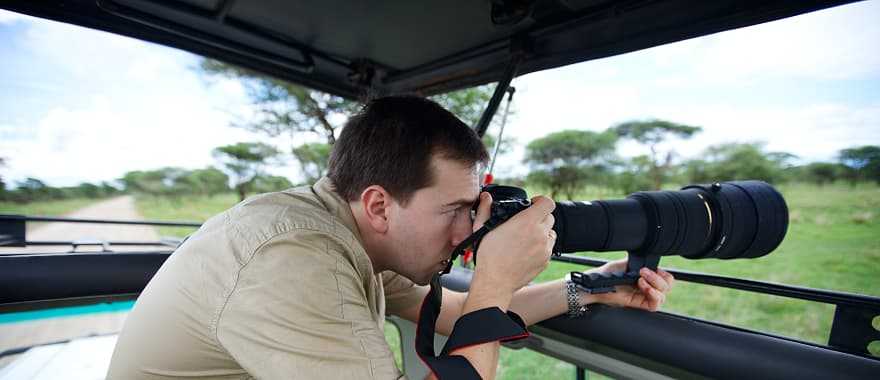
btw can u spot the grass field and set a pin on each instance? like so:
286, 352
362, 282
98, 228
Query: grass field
47, 208
833, 242
195, 209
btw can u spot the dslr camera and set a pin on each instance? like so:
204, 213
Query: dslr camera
722, 220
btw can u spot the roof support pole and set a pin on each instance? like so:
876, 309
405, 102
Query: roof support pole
495, 101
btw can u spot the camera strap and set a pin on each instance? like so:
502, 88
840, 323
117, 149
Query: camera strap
477, 327
474, 240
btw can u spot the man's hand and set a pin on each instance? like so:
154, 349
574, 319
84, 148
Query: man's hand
519, 249
648, 294
510, 256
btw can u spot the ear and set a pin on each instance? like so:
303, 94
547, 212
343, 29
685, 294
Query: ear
377, 203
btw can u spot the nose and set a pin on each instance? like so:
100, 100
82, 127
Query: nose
461, 229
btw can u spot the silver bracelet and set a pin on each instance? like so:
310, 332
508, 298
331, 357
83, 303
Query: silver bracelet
575, 309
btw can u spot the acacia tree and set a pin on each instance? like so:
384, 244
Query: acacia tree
153, 182
565, 161
209, 181
652, 133
822, 173
313, 159
245, 161
288, 109
284, 108
865, 160
735, 161
635, 174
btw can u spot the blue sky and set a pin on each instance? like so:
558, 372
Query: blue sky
80, 105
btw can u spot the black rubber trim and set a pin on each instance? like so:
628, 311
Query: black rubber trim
702, 347
34, 278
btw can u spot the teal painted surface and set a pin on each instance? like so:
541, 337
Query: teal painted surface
22, 316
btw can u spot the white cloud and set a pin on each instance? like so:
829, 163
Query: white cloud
836, 43
7, 17
813, 132
134, 106
104, 140
831, 45
137, 105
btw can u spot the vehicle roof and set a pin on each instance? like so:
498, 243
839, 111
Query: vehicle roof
353, 48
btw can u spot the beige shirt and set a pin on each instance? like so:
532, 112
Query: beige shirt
277, 287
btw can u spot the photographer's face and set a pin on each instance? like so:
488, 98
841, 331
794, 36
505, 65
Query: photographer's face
435, 220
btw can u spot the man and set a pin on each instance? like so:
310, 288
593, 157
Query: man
296, 284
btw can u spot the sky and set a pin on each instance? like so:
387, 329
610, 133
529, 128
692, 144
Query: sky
81, 105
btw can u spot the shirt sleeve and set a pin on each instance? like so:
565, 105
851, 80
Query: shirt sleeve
298, 309
401, 293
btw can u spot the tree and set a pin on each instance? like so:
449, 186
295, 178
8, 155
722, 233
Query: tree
287, 109
822, 173
245, 161
734, 161
171, 181
32, 189
2, 184
88, 190
154, 182
468, 104
565, 161
865, 160
635, 176
313, 159
652, 133
284, 108
507, 143
208, 181
109, 189
269, 183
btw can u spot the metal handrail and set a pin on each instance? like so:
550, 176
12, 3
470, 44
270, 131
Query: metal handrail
789, 291
97, 221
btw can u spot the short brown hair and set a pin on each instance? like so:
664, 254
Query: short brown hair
390, 143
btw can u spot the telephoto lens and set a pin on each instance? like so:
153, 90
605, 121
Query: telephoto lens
727, 220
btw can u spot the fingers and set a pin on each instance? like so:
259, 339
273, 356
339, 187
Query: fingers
547, 222
653, 298
484, 210
539, 214
657, 281
551, 241
540, 208
666, 276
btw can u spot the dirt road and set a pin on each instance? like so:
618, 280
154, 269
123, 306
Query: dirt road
120, 208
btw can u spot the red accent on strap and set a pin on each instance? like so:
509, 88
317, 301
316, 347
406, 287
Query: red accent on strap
487, 179
467, 256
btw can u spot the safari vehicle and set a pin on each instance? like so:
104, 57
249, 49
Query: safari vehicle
426, 48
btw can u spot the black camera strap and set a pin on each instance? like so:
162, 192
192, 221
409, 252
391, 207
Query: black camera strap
477, 327
474, 240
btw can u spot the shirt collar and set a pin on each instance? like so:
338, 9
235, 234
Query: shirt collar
339, 207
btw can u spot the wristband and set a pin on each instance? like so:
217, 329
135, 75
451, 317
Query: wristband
477, 327
575, 309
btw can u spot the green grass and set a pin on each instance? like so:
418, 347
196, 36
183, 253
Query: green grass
46, 208
833, 242
187, 208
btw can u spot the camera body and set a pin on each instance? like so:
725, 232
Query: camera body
506, 208
507, 201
